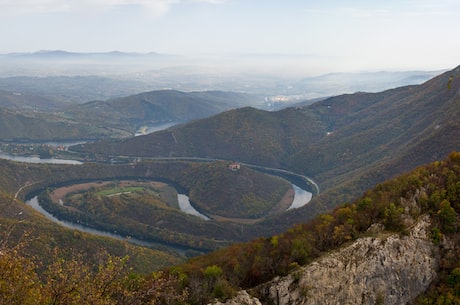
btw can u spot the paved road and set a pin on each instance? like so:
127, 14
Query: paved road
272, 169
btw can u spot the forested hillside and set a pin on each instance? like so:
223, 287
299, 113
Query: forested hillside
346, 143
234, 201
39, 126
156, 107
28, 118
393, 206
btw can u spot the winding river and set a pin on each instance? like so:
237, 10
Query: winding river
71, 225
186, 207
301, 198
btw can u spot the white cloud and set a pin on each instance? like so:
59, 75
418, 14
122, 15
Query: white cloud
366, 13
54, 6
209, 1
19, 7
156, 7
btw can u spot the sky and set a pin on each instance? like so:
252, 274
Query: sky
353, 35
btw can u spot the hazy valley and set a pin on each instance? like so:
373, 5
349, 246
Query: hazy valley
372, 155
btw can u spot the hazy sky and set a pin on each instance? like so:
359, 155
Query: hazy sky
354, 34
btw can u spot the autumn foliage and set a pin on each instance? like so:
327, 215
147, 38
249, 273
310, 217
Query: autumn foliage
393, 206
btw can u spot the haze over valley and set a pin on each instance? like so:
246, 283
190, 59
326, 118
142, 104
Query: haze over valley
229, 152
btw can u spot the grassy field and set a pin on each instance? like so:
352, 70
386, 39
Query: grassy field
119, 190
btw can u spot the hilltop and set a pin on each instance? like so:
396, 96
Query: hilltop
155, 107
24, 117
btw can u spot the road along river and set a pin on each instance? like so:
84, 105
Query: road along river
301, 197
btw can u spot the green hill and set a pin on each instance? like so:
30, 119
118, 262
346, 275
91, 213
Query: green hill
156, 107
246, 134
24, 101
116, 118
36, 126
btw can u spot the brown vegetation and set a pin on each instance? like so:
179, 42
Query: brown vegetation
432, 190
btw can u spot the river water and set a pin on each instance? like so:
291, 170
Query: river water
301, 198
149, 129
186, 207
184, 203
37, 159
36, 205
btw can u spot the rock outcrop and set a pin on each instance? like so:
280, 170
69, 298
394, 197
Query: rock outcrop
388, 269
243, 298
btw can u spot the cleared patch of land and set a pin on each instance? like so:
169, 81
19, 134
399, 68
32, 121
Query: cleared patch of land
119, 191
60, 193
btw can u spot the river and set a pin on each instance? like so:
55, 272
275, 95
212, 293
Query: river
28, 159
186, 207
149, 129
301, 198
36, 205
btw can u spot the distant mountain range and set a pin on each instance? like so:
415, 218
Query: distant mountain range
55, 54
39, 73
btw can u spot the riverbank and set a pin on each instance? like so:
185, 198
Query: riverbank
36, 159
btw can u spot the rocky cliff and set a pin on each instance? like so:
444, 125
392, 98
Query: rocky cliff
385, 269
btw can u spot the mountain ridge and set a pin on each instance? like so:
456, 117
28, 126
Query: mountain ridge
334, 141
119, 117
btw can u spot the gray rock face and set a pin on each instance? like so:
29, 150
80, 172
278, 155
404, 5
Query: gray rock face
389, 269
243, 298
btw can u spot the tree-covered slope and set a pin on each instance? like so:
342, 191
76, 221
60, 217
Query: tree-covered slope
246, 134
37, 126
37, 238
234, 200
396, 205
346, 143
386, 217
115, 118
23, 101
367, 129
158, 107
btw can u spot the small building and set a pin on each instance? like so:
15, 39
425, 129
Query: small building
234, 166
